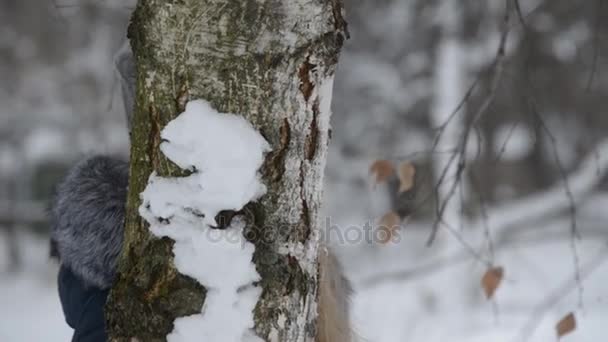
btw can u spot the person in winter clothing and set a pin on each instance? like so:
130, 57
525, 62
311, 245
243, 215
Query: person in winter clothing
87, 217
82, 307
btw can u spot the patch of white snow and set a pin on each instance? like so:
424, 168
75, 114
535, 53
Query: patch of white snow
224, 152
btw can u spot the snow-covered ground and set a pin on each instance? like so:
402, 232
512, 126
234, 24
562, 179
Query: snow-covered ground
439, 304
423, 308
29, 303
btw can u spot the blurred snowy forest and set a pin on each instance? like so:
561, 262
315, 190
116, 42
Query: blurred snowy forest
498, 105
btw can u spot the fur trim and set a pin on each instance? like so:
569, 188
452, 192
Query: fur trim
87, 218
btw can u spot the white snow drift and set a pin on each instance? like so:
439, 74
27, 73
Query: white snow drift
224, 152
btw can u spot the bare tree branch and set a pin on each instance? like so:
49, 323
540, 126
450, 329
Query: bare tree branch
551, 201
596, 44
437, 264
460, 155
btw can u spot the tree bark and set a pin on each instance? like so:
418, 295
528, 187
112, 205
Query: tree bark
273, 62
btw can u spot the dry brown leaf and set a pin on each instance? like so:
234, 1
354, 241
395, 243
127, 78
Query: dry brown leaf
389, 223
566, 325
382, 170
390, 219
407, 175
384, 234
491, 280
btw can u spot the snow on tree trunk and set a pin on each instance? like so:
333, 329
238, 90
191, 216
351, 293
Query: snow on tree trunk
272, 61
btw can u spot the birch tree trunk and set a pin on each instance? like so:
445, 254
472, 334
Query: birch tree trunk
272, 61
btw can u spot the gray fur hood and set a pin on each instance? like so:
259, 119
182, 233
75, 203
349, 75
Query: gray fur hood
87, 217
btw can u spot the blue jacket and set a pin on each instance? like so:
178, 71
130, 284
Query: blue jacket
83, 307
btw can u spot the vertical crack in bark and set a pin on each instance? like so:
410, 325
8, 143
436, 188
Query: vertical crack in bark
305, 222
312, 140
306, 85
274, 165
340, 24
306, 88
305, 232
182, 99
154, 136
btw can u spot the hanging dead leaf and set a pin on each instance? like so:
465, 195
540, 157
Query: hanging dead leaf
566, 325
407, 175
491, 280
384, 235
388, 226
382, 170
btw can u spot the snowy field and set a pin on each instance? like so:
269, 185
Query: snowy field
440, 307
30, 310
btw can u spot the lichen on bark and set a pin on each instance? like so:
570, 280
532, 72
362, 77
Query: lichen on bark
263, 59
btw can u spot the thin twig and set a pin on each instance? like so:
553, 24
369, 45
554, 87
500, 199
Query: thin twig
596, 45
497, 68
503, 146
569, 195
440, 263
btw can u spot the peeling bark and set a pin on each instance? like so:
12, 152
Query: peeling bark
273, 62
